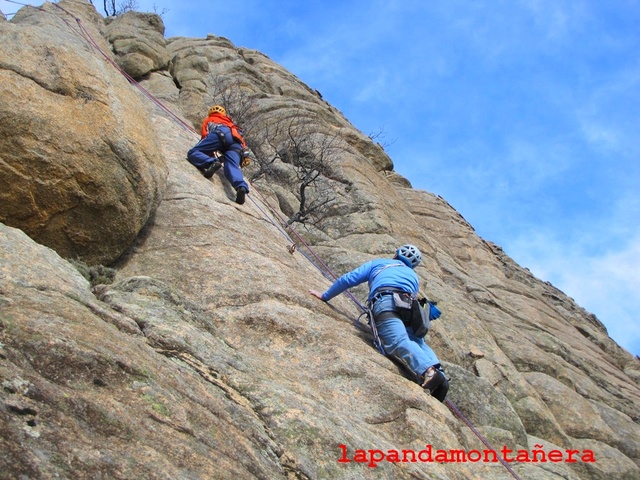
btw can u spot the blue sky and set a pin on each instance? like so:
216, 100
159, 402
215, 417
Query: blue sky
523, 114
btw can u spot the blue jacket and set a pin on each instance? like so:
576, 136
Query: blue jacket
402, 277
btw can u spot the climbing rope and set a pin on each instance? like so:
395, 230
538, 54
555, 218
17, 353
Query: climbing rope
313, 258
310, 255
456, 411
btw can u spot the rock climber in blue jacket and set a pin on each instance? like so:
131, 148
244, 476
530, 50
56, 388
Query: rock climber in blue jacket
384, 277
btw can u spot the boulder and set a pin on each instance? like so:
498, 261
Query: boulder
138, 42
80, 167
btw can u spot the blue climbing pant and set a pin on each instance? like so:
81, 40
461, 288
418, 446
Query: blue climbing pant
399, 341
201, 155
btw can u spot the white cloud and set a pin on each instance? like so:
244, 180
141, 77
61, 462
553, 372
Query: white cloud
609, 110
554, 18
606, 284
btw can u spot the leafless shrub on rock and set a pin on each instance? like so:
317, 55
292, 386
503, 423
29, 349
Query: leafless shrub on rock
291, 152
112, 9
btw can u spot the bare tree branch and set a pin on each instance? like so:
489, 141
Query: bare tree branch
111, 9
310, 155
380, 134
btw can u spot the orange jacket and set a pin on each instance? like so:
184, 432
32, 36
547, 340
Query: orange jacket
223, 120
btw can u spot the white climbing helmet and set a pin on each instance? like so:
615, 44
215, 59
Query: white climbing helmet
410, 255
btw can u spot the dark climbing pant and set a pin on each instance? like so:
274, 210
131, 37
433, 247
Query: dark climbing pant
201, 155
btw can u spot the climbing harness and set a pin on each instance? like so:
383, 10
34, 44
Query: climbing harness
309, 254
215, 128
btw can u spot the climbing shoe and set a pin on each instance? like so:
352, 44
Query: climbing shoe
240, 194
440, 392
432, 379
210, 169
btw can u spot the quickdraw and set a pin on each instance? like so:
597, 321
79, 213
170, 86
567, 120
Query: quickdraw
372, 326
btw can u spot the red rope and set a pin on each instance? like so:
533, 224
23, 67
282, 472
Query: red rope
325, 268
455, 410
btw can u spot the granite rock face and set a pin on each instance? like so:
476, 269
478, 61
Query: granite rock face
81, 169
207, 357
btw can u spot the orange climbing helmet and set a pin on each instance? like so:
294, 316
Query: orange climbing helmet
217, 109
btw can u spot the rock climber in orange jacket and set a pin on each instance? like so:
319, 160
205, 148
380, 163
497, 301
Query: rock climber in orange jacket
220, 134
